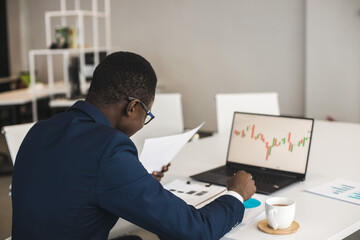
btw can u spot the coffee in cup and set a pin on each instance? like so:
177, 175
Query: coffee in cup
280, 212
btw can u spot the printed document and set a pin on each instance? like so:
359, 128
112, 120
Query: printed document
339, 189
158, 152
199, 194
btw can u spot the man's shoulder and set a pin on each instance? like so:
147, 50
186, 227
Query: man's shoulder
73, 124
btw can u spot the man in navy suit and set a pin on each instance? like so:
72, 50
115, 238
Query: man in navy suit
78, 172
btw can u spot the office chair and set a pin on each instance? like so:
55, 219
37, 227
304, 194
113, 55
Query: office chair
227, 104
14, 135
167, 109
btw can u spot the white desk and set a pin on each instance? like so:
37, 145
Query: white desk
24, 96
63, 102
335, 152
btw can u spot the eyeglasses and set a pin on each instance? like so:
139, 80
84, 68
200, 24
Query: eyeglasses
149, 115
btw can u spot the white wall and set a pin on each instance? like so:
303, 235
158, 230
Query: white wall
203, 47
333, 59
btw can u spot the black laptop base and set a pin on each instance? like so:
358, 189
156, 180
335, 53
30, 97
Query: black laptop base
220, 175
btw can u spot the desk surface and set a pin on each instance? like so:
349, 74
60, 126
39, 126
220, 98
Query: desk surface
23, 96
63, 102
334, 153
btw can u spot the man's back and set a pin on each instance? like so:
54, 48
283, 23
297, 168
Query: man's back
55, 179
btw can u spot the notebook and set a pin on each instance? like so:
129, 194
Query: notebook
274, 149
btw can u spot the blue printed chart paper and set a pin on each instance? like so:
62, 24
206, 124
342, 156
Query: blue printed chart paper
339, 189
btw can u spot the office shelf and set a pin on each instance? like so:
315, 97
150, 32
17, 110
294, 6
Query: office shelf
74, 13
80, 49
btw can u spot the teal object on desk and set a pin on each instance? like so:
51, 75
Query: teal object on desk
252, 203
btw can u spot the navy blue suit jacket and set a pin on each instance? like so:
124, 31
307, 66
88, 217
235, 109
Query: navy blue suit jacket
75, 175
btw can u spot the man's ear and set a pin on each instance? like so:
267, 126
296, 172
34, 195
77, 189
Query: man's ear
131, 107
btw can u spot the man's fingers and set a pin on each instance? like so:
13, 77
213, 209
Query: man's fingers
165, 168
158, 174
243, 184
243, 173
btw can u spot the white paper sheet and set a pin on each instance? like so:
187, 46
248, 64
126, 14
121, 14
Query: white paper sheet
158, 152
194, 193
199, 194
340, 189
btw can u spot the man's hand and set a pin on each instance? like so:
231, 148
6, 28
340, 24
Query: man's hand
160, 175
243, 184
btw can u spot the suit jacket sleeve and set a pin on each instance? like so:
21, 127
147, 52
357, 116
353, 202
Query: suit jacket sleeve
125, 189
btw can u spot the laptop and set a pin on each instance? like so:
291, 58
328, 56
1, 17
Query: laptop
274, 149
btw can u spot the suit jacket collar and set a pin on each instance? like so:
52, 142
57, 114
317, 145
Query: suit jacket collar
92, 111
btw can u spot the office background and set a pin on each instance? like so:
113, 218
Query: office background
307, 51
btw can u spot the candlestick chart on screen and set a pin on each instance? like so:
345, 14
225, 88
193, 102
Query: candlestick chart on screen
272, 143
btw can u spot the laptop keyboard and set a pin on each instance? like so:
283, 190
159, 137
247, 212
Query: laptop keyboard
266, 183
265, 178
225, 171
257, 176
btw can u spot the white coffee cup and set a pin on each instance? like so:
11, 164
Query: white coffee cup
280, 212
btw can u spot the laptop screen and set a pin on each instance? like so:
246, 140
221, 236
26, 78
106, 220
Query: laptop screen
273, 142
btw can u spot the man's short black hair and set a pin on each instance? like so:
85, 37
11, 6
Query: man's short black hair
121, 75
